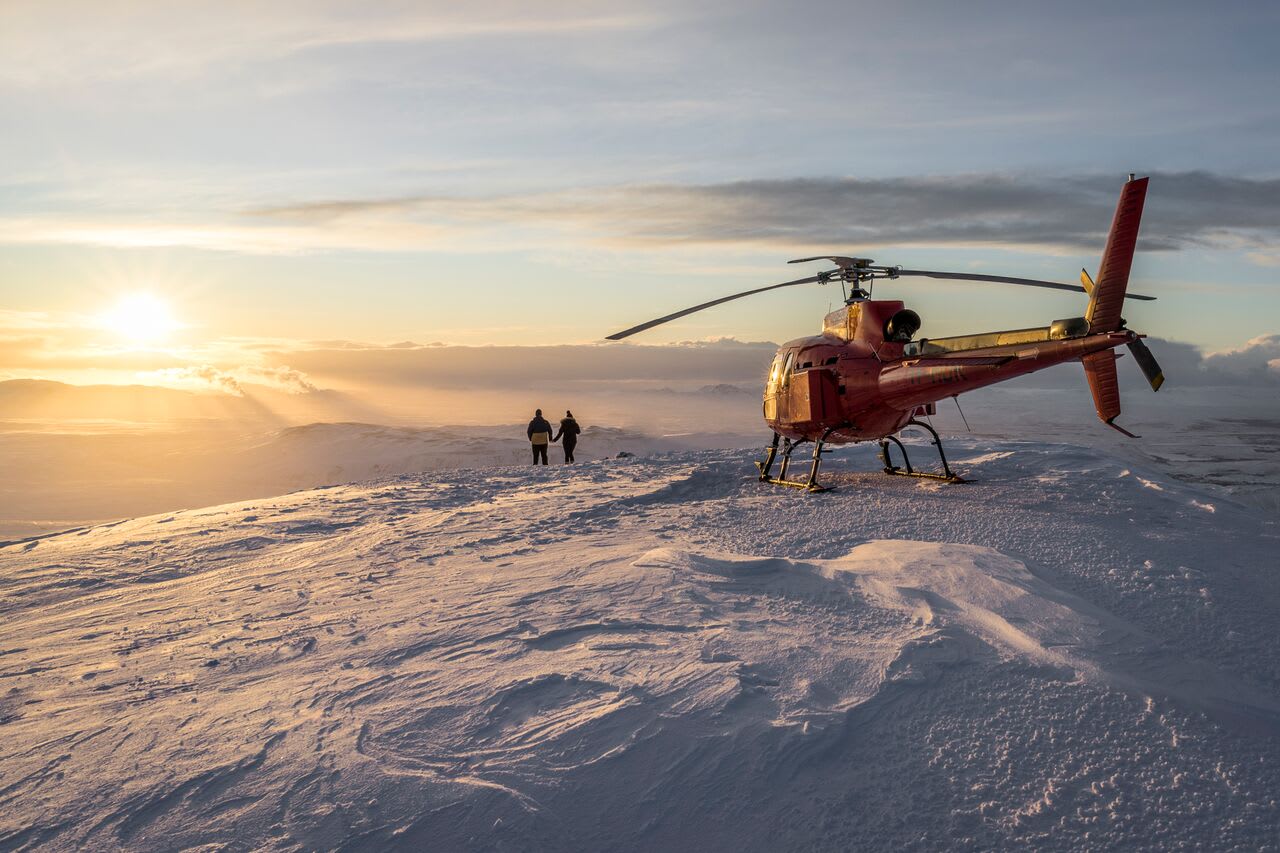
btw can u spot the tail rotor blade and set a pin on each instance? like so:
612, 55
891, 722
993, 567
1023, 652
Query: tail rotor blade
1147, 361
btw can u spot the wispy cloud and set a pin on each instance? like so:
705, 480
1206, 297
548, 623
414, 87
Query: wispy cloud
230, 235
65, 41
490, 367
206, 377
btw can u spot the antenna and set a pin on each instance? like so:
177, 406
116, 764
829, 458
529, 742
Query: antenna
956, 397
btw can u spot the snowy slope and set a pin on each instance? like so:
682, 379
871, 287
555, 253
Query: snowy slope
56, 480
654, 653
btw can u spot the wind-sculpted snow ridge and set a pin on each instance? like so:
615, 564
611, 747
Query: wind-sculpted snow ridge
651, 654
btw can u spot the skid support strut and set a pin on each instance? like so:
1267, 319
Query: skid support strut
906, 470
770, 453
811, 482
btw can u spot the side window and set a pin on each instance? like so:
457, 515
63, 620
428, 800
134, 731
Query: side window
786, 369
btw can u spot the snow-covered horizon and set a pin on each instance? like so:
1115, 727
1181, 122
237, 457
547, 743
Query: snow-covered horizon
119, 459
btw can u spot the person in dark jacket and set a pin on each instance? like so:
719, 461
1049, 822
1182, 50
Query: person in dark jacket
539, 437
569, 430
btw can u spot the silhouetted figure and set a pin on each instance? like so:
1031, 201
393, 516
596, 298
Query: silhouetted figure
569, 430
540, 437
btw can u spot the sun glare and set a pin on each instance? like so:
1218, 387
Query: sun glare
141, 319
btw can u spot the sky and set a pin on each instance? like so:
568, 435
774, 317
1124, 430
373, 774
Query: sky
196, 191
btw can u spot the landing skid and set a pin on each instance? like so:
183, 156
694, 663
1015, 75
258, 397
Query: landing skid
947, 475
810, 484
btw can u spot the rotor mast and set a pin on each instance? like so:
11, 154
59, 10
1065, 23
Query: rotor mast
852, 273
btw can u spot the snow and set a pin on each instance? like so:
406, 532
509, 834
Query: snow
655, 653
60, 479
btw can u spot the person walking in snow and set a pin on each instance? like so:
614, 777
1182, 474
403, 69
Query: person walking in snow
539, 437
569, 430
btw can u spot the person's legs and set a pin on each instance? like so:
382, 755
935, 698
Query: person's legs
568, 452
540, 450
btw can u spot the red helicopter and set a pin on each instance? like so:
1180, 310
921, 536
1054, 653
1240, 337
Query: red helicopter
867, 376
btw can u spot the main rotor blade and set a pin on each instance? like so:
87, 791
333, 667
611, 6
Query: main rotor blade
626, 333
1147, 361
841, 261
1004, 279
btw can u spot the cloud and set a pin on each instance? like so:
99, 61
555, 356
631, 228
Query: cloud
490, 367
47, 344
1184, 210
15, 350
283, 378
66, 41
389, 372
201, 378
12, 321
1256, 364
1189, 209
408, 376
1258, 359
206, 377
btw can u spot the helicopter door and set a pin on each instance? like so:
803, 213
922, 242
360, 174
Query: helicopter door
816, 397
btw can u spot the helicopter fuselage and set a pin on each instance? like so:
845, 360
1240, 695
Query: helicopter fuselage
864, 377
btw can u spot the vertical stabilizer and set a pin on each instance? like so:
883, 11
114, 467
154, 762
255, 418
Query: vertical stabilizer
1100, 369
1107, 293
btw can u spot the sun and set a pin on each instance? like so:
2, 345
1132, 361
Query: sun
141, 319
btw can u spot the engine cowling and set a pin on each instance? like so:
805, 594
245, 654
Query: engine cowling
902, 326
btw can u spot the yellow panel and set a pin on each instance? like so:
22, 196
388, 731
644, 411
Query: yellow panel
1086, 282
843, 322
983, 341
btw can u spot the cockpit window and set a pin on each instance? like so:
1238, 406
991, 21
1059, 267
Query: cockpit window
775, 371
786, 370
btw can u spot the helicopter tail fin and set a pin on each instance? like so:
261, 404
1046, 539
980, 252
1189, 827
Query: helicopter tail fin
1107, 294
1100, 370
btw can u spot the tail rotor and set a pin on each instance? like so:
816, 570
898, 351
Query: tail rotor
1147, 361
1141, 354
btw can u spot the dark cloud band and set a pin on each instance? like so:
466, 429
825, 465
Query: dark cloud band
1186, 209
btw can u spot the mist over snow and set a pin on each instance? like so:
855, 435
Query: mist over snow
347, 411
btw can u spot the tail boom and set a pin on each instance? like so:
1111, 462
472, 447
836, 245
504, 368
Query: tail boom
918, 381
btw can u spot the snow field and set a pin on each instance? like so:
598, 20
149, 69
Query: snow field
654, 653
